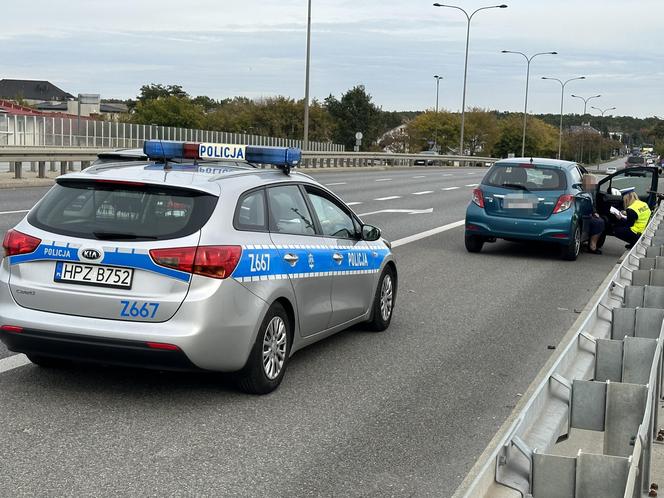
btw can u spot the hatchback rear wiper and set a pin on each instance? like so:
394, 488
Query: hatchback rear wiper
121, 236
515, 185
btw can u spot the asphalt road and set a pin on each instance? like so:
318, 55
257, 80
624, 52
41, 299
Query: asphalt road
401, 413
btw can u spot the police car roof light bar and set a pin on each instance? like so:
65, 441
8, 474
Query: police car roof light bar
283, 157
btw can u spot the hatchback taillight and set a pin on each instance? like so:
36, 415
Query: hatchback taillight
16, 242
209, 261
564, 203
478, 197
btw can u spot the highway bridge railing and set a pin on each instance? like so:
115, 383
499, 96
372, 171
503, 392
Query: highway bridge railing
64, 159
587, 424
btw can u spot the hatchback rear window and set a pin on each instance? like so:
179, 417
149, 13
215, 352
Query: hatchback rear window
635, 160
528, 177
116, 211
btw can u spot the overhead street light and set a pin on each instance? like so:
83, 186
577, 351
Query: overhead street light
585, 100
562, 98
438, 78
602, 111
525, 106
465, 66
305, 138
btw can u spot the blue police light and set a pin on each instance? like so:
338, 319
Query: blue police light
279, 156
163, 149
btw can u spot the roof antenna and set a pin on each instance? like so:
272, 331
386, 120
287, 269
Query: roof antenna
531, 160
163, 155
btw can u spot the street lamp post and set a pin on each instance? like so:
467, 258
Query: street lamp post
305, 138
602, 111
562, 98
438, 78
525, 106
465, 66
585, 105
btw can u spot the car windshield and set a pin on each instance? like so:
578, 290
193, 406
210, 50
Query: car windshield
525, 177
635, 160
117, 211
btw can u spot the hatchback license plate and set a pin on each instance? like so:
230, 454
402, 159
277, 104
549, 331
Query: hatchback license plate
102, 276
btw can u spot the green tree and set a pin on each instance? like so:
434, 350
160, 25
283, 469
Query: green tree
169, 111
481, 131
157, 91
541, 137
354, 112
441, 128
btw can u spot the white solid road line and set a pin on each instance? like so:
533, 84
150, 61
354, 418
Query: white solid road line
383, 180
14, 212
391, 197
18, 360
422, 193
450, 188
333, 184
428, 233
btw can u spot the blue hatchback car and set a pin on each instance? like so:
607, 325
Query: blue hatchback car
543, 200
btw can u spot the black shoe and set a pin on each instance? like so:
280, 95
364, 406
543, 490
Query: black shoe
594, 251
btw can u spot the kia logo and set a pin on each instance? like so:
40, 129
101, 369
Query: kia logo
91, 254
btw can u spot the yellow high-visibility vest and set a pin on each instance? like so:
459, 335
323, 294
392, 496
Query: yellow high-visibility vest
643, 212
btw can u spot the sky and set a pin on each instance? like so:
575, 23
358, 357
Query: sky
256, 48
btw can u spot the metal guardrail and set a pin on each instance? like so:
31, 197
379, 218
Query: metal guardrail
588, 427
66, 156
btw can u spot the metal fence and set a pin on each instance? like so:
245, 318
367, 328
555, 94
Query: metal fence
587, 428
45, 131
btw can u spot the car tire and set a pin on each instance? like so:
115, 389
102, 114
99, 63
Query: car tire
266, 365
474, 243
384, 301
571, 251
48, 361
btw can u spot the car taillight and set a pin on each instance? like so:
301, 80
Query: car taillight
478, 197
16, 242
11, 328
564, 203
209, 261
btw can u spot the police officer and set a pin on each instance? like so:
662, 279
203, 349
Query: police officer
633, 219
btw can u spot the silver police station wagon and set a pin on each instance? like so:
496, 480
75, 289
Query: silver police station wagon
193, 259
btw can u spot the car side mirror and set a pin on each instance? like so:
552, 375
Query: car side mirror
370, 233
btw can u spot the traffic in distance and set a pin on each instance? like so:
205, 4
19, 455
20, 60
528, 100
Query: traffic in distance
188, 257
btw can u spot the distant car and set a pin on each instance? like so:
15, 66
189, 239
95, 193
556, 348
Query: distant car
426, 162
633, 161
611, 169
542, 200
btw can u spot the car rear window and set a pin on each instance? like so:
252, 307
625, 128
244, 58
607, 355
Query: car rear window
525, 177
117, 211
635, 160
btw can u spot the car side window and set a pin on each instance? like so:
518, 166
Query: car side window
288, 211
641, 181
334, 220
576, 176
250, 213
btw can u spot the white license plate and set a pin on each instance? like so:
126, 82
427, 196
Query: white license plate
103, 276
519, 205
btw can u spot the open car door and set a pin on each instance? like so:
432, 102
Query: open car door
644, 179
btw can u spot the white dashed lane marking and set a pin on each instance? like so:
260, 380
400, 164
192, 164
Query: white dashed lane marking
420, 176
422, 193
333, 184
353, 203
384, 180
14, 212
450, 188
389, 198
473, 185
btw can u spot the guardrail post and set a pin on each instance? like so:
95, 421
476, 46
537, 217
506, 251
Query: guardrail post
18, 167
51, 166
33, 167
63, 167
41, 169
12, 166
70, 165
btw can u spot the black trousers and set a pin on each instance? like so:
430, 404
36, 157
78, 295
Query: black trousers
624, 233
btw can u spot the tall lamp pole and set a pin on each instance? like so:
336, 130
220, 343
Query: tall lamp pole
465, 66
525, 106
305, 140
562, 98
438, 78
585, 105
602, 111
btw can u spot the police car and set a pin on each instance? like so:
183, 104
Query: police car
194, 259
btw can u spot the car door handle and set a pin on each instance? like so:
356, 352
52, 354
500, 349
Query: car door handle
337, 257
291, 259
